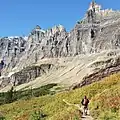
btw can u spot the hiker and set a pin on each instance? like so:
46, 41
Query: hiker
85, 103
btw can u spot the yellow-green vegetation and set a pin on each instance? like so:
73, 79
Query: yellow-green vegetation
104, 103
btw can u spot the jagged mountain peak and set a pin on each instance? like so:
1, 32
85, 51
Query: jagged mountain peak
97, 32
95, 6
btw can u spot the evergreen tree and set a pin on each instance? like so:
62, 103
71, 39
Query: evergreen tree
9, 96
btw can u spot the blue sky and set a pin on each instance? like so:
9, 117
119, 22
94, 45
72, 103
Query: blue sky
19, 17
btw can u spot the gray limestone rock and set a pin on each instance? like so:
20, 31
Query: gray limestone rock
99, 30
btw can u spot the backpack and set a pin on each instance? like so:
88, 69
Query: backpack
85, 101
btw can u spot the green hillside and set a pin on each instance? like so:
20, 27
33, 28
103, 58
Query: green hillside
104, 103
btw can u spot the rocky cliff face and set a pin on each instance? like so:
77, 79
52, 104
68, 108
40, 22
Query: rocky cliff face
99, 30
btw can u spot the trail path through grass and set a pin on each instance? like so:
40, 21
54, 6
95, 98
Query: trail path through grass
77, 105
87, 118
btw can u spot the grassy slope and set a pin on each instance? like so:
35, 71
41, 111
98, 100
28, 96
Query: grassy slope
104, 103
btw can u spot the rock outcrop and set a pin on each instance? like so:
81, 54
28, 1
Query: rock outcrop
25, 75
